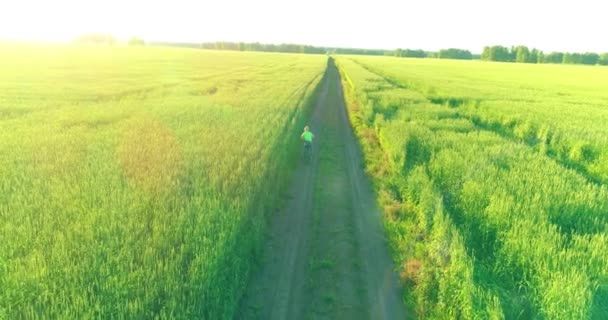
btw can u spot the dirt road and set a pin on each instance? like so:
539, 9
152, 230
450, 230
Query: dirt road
326, 256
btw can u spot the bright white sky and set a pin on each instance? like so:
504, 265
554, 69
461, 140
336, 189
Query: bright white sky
562, 25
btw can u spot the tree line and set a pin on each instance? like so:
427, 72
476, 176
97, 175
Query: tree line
451, 53
523, 54
243, 46
286, 48
520, 54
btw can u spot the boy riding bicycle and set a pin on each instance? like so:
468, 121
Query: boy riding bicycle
307, 136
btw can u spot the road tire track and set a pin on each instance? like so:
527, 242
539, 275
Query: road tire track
326, 255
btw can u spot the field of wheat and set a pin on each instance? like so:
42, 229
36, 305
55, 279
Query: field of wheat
135, 183
138, 182
494, 183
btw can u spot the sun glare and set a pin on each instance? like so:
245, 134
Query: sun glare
387, 24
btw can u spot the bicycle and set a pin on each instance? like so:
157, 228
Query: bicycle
307, 136
307, 154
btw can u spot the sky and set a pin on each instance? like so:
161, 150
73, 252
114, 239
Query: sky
574, 26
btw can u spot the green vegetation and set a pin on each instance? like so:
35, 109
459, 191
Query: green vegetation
522, 54
494, 180
135, 182
453, 53
264, 47
409, 53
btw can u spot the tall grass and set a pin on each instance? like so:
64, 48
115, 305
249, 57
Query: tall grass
136, 182
488, 218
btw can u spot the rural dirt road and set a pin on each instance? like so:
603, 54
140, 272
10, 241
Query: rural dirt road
325, 255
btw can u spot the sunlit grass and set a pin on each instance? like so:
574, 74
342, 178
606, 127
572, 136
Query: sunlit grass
136, 182
494, 183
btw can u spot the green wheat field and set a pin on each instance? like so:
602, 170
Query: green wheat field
134, 181
137, 183
494, 181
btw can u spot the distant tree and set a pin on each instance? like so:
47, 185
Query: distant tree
317, 50
231, 46
522, 54
496, 53
409, 53
533, 57
134, 41
454, 53
284, 47
590, 58
371, 52
512, 55
207, 45
554, 57
414, 53
603, 60
485, 54
540, 57
572, 58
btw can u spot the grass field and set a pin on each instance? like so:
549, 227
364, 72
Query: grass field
493, 178
137, 183
134, 182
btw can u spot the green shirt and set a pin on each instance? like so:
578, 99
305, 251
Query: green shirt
307, 136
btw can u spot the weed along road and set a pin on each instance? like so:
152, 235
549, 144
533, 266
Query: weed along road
326, 256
